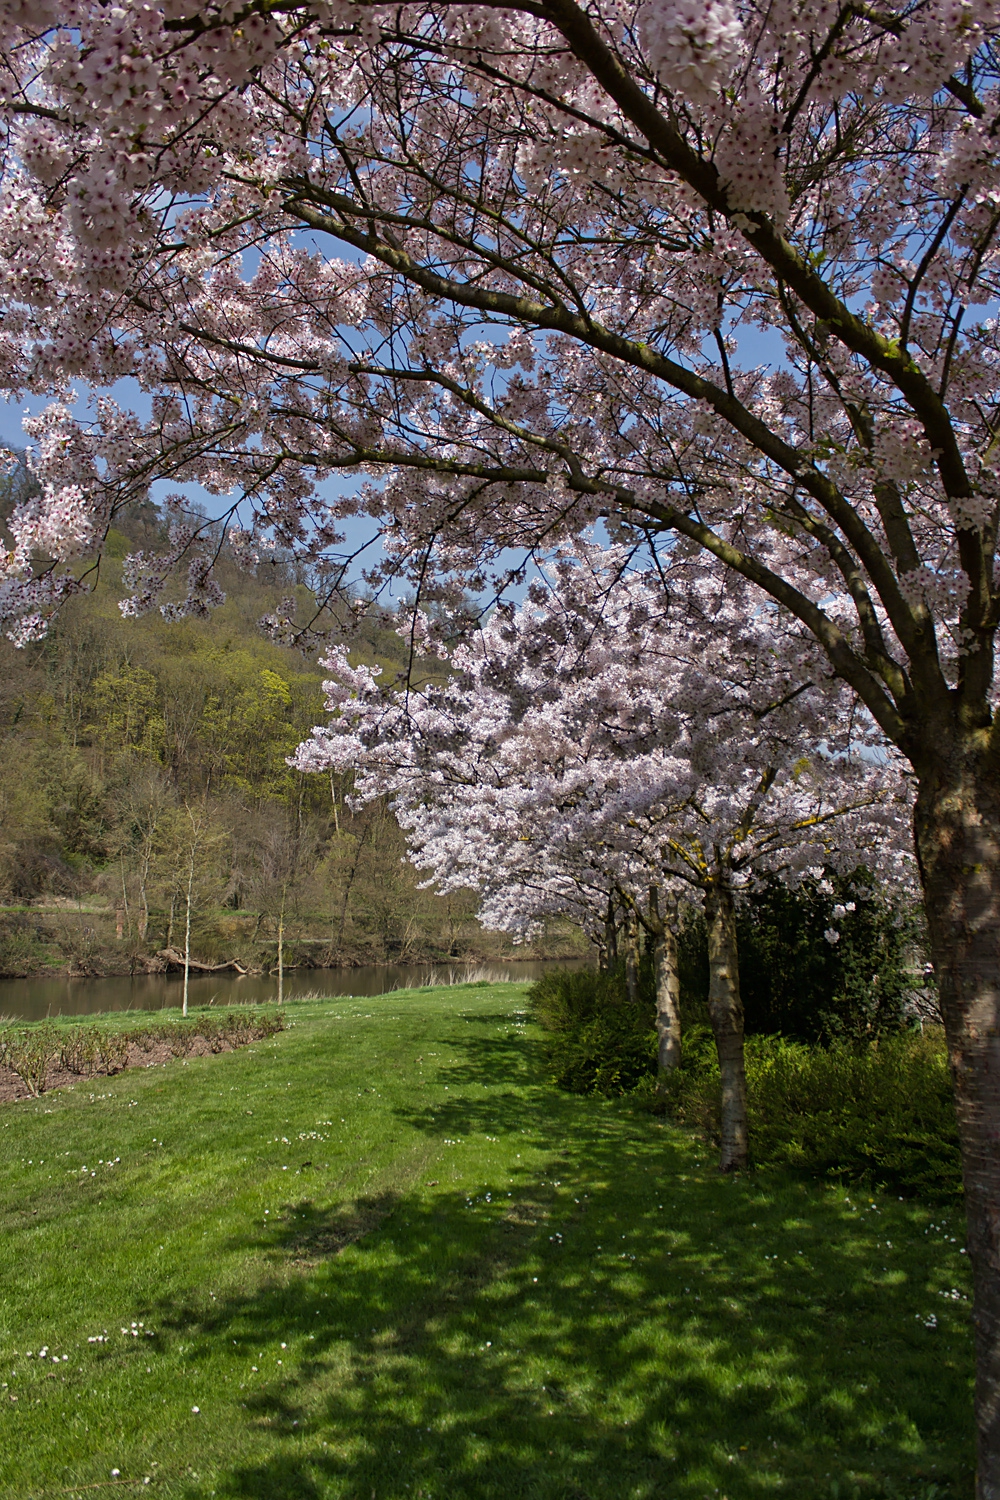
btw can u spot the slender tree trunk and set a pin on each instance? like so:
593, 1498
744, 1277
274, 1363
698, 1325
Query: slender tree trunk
632, 956
725, 1010
187, 934
128, 918
281, 950
147, 854
668, 1001
610, 935
957, 834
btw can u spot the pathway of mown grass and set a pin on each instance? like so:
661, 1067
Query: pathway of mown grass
382, 1258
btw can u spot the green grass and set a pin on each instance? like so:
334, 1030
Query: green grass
384, 1259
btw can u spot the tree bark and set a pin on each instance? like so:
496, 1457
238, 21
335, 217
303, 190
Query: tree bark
668, 1002
725, 1010
632, 956
957, 836
610, 936
281, 950
187, 939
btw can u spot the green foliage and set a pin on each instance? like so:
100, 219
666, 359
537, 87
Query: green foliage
876, 1110
249, 730
597, 1041
128, 714
793, 981
32, 1052
881, 1113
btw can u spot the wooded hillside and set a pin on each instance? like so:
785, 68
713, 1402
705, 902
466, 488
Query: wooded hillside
126, 744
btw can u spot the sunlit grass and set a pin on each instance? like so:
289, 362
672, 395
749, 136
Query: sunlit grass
382, 1257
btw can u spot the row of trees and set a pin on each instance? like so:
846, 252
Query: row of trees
604, 752
518, 265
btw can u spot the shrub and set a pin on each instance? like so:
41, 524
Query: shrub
881, 1113
31, 1051
19, 948
80, 1049
113, 1047
793, 981
180, 1038
30, 1054
876, 1109
597, 1041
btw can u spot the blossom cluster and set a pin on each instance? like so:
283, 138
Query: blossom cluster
159, 171
592, 743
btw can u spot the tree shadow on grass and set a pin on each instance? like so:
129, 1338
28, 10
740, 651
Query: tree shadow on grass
621, 1322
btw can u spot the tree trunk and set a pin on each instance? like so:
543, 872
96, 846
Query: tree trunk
668, 1001
281, 950
725, 1011
187, 936
147, 854
632, 956
610, 936
957, 835
127, 917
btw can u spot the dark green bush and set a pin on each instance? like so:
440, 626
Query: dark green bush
793, 981
881, 1113
877, 1109
597, 1041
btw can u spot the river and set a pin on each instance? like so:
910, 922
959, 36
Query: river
33, 999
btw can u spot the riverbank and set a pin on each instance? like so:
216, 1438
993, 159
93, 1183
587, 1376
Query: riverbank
94, 940
377, 1253
62, 995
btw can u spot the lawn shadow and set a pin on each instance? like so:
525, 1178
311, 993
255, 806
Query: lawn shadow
586, 1337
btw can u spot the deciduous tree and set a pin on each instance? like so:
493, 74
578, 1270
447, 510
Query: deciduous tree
602, 742
723, 273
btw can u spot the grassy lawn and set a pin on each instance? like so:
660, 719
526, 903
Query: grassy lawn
378, 1257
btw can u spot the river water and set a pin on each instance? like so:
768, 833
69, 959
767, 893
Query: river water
33, 999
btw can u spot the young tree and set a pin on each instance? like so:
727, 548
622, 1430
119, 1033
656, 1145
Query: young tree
597, 741
573, 232
189, 843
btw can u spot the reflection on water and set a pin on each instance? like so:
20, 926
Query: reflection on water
33, 999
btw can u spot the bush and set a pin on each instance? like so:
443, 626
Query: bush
881, 1113
30, 1054
597, 1041
19, 949
31, 1051
793, 981
877, 1109
80, 1049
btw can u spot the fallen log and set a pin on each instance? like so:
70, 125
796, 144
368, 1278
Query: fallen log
175, 960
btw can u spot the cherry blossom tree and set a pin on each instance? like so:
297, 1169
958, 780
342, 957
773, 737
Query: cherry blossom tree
723, 274
599, 742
